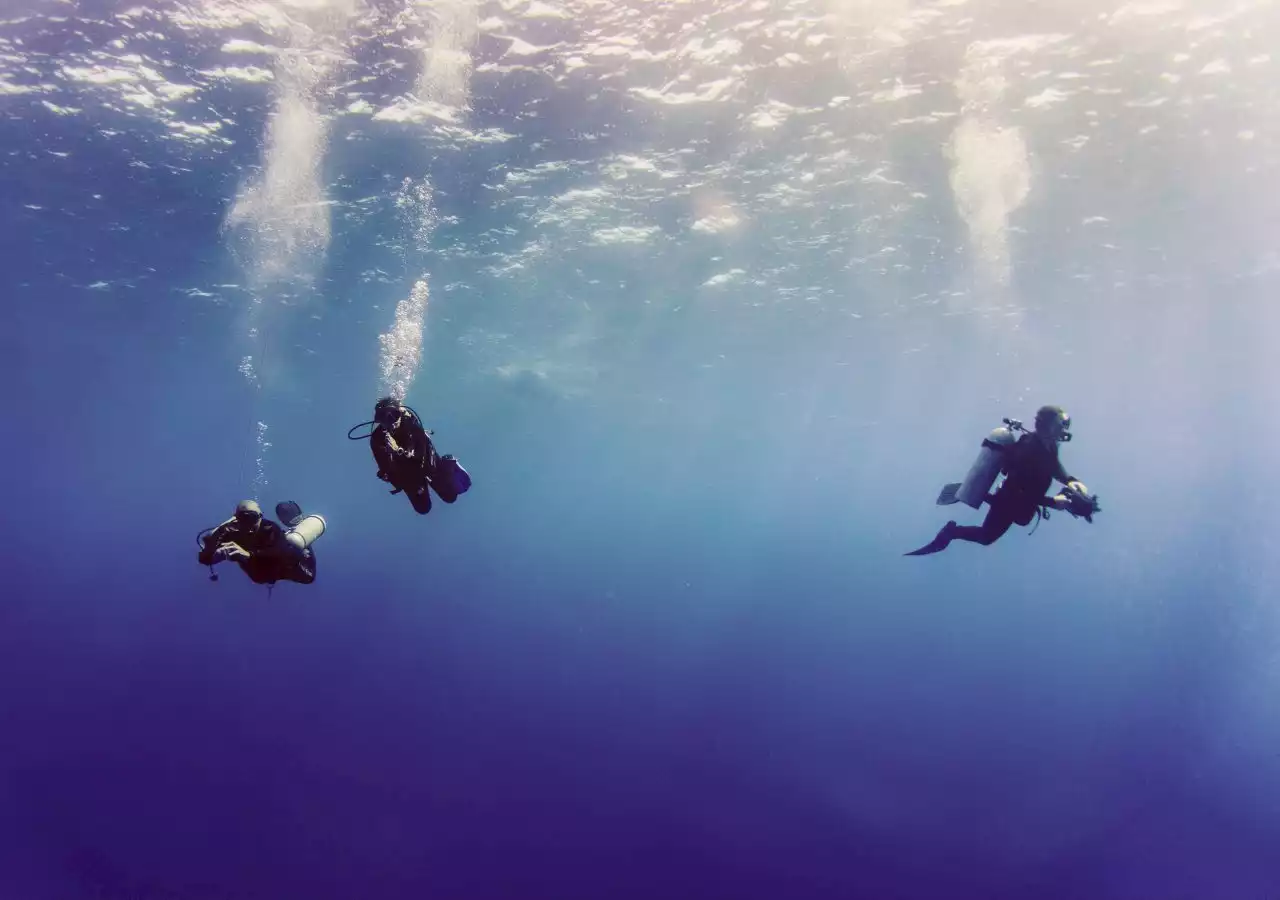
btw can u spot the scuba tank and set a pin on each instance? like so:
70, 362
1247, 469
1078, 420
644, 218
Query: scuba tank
304, 532
982, 474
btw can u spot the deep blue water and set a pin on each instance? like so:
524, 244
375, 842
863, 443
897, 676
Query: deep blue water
667, 645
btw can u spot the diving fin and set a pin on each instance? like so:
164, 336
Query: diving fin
948, 495
938, 544
289, 513
461, 478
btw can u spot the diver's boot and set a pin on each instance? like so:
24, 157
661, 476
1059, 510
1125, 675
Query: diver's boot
939, 543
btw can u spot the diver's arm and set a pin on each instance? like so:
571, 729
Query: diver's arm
209, 552
1060, 500
406, 442
1060, 473
1070, 481
380, 444
307, 566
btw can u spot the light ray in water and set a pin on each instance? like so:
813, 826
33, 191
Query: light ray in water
278, 228
990, 172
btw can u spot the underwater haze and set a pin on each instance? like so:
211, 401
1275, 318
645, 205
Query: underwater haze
710, 297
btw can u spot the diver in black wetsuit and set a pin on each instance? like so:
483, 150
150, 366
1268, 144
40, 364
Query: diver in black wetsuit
1031, 465
258, 546
407, 458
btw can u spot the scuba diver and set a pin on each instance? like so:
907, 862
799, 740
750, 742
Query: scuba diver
1030, 464
407, 459
264, 550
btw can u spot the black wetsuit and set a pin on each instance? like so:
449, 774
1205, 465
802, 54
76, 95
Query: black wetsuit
407, 459
271, 557
1030, 467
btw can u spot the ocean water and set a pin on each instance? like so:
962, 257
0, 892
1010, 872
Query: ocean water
710, 298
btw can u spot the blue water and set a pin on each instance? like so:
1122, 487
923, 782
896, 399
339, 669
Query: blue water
708, 363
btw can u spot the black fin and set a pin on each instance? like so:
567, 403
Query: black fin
948, 495
289, 513
938, 544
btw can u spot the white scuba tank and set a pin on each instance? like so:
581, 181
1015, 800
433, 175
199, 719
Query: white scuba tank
305, 532
982, 474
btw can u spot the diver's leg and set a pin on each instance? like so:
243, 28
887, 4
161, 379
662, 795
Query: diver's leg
303, 571
999, 519
938, 544
433, 472
442, 483
420, 497
408, 477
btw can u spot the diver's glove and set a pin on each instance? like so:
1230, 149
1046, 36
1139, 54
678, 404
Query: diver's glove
231, 552
1076, 499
